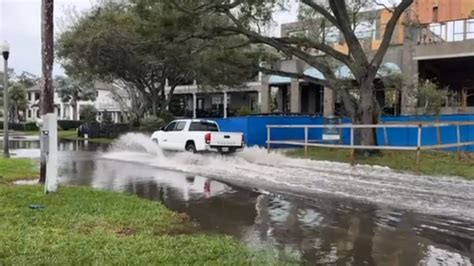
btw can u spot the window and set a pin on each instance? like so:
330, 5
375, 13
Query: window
203, 126
29, 96
435, 14
37, 95
170, 127
29, 113
180, 126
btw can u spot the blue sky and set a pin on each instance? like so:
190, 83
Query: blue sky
20, 26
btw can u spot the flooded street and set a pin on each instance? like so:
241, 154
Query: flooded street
317, 212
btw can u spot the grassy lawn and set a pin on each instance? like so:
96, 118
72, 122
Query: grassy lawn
72, 135
83, 226
14, 169
432, 163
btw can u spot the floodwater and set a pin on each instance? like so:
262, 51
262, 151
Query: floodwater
316, 212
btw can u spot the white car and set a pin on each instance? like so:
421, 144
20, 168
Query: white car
196, 135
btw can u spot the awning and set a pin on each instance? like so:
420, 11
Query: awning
313, 72
275, 79
344, 72
388, 69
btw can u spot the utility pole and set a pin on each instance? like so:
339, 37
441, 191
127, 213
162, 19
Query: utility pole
48, 172
6, 54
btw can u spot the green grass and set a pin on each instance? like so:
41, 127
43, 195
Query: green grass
15, 169
72, 135
432, 163
82, 226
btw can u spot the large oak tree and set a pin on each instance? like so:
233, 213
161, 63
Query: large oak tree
148, 45
248, 16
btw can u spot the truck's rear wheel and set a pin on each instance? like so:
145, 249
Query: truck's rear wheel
190, 147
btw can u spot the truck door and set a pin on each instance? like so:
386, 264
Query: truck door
177, 137
164, 138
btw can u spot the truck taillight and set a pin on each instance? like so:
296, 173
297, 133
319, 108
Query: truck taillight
207, 138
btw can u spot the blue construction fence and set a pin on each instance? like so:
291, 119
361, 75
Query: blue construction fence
255, 129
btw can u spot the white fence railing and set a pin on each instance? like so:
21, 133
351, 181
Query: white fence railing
352, 146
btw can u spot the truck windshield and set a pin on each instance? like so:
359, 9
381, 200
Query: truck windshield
203, 126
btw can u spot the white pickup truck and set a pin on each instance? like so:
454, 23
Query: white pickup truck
195, 135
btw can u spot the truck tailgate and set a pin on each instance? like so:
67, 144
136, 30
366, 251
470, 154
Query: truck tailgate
226, 139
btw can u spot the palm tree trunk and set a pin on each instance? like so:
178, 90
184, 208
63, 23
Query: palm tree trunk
47, 56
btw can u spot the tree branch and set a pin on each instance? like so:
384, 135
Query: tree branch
339, 8
389, 29
321, 10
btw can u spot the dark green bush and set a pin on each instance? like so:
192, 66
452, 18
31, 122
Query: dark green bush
69, 124
151, 123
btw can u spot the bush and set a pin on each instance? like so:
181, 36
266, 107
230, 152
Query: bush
244, 111
167, 117
31, 126
151, 123
431, 98
69, 124
88, 113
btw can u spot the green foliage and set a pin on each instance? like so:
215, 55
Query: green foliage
17, 94
431, 98
74, 89
17, 169
88, 113
30, 126
167, 117
244, 111
69, 124
151, 123
146, 42
88, 227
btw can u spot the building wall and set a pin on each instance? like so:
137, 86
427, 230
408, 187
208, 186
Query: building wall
448, 10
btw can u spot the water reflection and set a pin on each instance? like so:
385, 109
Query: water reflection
322, 231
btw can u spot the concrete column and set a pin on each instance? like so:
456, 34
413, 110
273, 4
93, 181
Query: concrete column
61, 115
329, 102
280, 99
265, 96
225, 104
194, 105
410, 71
295, 96
70, 112
312, 94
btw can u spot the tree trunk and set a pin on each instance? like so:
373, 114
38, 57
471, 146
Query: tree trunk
47, 56
368, 116
74, 108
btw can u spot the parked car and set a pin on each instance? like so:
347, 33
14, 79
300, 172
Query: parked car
195, 135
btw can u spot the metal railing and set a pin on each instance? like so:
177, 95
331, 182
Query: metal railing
352, 146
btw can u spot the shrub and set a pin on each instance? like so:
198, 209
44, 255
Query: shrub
31, 126
151, 123
88, 113
69, 124
167, 117
431, 98
244, 111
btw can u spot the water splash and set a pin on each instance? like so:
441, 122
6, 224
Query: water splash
254, 167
